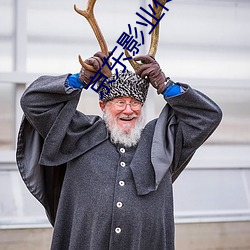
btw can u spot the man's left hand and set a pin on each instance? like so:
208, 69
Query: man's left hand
152, 70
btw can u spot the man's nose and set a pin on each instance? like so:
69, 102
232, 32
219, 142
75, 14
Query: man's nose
128, 110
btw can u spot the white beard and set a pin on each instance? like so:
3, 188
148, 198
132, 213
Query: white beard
127, 139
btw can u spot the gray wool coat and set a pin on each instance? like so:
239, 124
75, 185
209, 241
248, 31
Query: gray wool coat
99, 195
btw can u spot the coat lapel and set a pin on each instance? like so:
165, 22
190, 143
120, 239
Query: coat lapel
154, 154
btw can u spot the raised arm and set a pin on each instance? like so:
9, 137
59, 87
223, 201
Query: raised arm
49, 96
197, 116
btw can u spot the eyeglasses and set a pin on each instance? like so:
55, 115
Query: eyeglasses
121, 105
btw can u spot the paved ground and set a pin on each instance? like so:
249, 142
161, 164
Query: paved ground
201, 236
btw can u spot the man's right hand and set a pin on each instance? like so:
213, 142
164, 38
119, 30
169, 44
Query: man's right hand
96, 62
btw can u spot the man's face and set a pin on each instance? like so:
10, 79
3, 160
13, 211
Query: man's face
125, 119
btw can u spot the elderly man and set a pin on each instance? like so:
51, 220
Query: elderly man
107, 183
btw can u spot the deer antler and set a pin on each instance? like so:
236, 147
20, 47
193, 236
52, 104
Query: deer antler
154, 36
89, 15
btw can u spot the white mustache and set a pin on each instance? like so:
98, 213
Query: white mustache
122, 116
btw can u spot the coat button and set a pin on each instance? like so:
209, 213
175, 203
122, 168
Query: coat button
121, 183
118, 230
123, 164
119, 204
122, 150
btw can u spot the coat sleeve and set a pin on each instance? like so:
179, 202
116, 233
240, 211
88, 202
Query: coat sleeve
67, 133
197, 117
44, 99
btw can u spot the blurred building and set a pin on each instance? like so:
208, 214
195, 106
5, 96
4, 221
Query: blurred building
204, 43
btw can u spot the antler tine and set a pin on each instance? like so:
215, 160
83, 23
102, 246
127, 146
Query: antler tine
156, 32
88, 13
135, 65
154, 36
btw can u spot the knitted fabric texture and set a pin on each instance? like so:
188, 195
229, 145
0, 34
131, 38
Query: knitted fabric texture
127, 84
